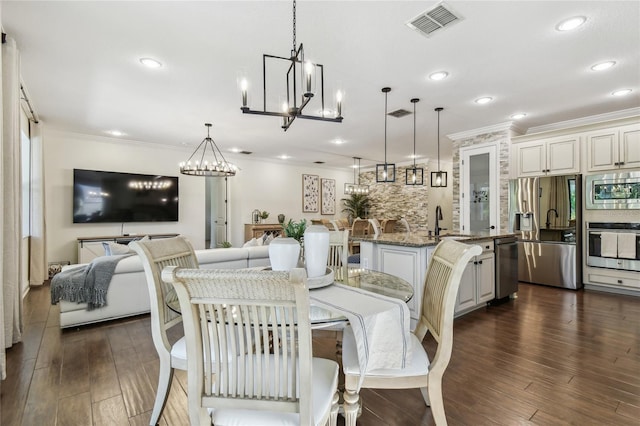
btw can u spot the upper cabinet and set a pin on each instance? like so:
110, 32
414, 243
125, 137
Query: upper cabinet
611, 149
552, 156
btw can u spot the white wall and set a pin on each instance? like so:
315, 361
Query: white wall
272, 186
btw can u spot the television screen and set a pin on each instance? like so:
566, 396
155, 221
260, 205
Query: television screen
123, 197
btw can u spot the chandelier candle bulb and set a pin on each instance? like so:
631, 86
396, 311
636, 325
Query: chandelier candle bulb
339, 103
243, 88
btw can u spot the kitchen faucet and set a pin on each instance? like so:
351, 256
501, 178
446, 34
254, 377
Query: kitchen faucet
549, 221
438, 219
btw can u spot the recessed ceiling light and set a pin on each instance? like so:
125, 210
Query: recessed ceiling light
622, 92
284, 157
518, 116
603, 65
338, 141
150, 63
236, 150
484, 100
115, 133
571, 23
439, 75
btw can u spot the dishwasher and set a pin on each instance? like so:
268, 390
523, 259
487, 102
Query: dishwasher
506, 258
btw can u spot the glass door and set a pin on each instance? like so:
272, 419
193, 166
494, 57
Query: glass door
479, 190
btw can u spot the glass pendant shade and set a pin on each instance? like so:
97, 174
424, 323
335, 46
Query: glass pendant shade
385, 173
414, 176
439, 178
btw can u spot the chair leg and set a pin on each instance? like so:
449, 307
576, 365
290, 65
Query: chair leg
351, 407
434, 395
162, 393
333, 417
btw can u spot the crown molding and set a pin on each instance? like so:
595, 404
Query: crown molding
585, 121
501, 127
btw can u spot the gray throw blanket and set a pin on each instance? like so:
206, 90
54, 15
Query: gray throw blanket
86, 284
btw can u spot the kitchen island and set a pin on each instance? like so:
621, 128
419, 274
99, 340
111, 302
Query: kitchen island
407, 254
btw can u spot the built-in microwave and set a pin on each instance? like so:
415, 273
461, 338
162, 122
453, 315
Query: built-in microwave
613, 191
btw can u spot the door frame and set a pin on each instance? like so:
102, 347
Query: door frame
492, 149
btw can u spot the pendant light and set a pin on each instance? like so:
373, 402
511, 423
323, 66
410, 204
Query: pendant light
355, 187
386, 172
439, 178
414, 176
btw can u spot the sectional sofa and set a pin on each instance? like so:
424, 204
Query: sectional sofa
128, 294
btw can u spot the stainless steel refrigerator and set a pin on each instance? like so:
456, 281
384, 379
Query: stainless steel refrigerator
545, 214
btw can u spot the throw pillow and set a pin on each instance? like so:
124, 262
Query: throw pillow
112, 249
251, 243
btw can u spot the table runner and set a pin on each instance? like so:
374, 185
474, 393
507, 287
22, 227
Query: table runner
380, 324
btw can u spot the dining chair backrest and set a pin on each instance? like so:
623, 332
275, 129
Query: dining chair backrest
388, 226
335, 226
267, 335
155, 255
339, 254
406, 225
360, 227
444, 273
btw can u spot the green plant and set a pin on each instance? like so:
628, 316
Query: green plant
264, 214
357, 205
225, 244
295, 229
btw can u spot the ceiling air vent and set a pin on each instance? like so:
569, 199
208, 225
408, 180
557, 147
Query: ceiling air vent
319, 162
399, 113
245, 152
434, 19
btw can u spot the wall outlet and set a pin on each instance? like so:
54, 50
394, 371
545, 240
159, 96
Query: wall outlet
365, 263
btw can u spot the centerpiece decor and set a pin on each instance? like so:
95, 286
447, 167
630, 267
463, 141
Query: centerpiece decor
284, 254
316, 250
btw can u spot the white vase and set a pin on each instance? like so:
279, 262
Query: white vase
284, 254
316, 250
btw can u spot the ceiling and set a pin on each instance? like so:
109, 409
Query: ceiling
81, 69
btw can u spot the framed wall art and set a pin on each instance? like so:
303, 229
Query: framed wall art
327, 196
310, 193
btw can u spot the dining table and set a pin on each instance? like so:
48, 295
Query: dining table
321, 317
373, 303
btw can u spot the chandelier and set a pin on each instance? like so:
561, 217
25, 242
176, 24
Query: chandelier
355, 187
414, 176
301, 79
439, 178
386, 172
215, 166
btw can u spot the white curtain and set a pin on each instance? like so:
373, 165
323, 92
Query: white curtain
38, 272
10, 186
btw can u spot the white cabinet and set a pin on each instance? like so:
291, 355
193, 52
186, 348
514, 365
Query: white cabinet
477, 286
617, 148
408, 263
553, 156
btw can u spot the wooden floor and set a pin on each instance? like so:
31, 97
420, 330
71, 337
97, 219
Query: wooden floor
550, 357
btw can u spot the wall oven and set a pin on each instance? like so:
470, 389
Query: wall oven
614, 245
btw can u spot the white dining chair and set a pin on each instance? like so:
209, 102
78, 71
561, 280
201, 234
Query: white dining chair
155, 255
339, 254
270, 377
444, 273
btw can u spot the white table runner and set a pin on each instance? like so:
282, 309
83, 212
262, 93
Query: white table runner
381, 324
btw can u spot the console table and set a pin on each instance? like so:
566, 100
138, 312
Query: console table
256, 230
91, 247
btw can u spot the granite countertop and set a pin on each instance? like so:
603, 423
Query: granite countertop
422, 239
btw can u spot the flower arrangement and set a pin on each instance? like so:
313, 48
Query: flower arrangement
295, 230
264, 214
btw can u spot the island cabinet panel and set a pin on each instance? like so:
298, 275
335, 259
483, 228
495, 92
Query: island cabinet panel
408, 263
477, 286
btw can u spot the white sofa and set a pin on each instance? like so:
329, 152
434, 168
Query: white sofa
128, 294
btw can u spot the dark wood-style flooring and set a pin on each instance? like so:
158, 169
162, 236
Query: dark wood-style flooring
550, 357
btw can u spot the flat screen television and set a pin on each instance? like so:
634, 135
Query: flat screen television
112, 197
